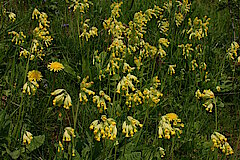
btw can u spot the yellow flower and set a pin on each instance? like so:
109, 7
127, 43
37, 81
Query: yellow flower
34, 75
55, 66
171, 116
27, 137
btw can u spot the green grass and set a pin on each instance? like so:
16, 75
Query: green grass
20, 112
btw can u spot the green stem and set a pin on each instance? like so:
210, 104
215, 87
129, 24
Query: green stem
20, 115
216, 120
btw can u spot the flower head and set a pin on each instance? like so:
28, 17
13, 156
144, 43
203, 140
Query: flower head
27, 137
55, 66
34, 75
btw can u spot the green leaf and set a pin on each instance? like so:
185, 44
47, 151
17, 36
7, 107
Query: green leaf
15, 154
36, 143
132, 156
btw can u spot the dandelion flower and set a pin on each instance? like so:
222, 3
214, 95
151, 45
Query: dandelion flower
55, 66
34, 75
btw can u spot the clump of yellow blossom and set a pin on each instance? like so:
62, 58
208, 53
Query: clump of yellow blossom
68, 133
62, 97
126, 83
34, 75
17, 37
169, 125
129, 127
220, 141
12, 16
27, 137
55, 66
100, 100
198, 28
208, 98
84, 91
232, 51
60, 147
171, 69
104, 129
30, 87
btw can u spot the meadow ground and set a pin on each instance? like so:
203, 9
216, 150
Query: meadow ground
137, 79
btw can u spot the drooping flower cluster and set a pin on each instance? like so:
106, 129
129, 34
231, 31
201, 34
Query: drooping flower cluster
27, 137
62, 98
84, 91
208, 98
186, 50
41, 35
68, 134
169, 125
18, 38
171, 69
80, 6
152, 95
31, 85
126, 83
220, 141
129, 126
104, 129
100, 100
232, 52
198, 28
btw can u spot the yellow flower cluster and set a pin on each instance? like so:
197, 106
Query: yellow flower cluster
186, 50
27, 137
41, 35
104, 129
12, 16
171, 69
126, 83
87, 34
184, 8
68, 133
220, 141
194, 65
208, 98
100, 100
129, 127
198, 28
84, 90
30, 87
232, 51
169, 125
62, 97
163, 25
17, 37
60, 146
80, 6
149, 96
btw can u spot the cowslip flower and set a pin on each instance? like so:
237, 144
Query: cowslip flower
105, 129
129, 127
30, 87
27, 137
55, 66
220, 141
169, 125
68, 133
62, 97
